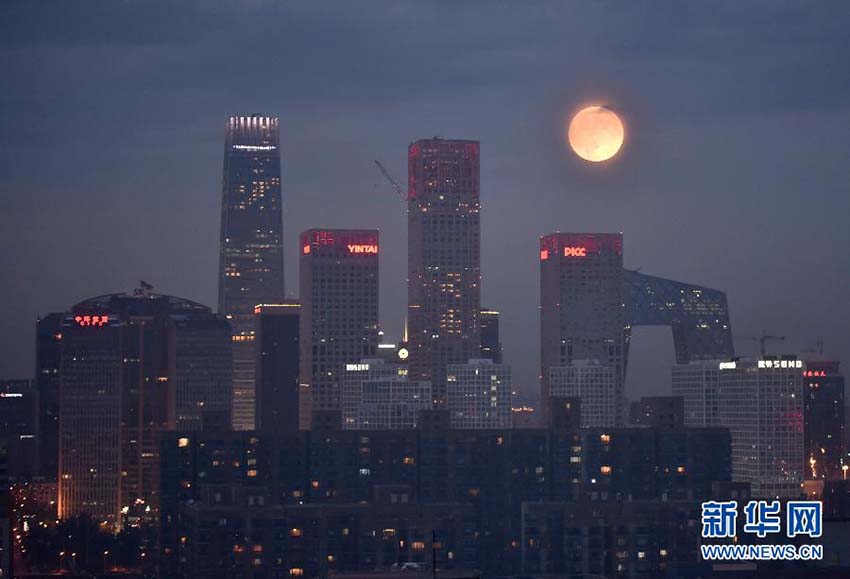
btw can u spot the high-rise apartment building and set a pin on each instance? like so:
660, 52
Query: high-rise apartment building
339, 311
444, 262
761, 403
582, 313
132, 367
278, 368
491, 344
595, 384
479, 394
251, 251
377, 395
823, 419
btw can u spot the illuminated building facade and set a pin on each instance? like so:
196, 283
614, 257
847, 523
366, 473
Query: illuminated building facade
377, 395
479, 395
585, 296
595, 384
131, 368
823, 417
278, 366
698, 316
444, 264
251, 251
339, 311
491, 344
582, 313
761, 403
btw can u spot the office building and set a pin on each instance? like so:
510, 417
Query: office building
19, 427
339, 311
278, 366
698, 316
377, 395
48, 353
479, 395
823, 419
595, 384
582, 307
444, 262
251, 245
491, 345
761, 403
132, 367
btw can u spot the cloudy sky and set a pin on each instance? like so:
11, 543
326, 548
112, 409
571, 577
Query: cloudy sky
735, 174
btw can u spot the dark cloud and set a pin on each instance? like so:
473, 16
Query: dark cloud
734, 174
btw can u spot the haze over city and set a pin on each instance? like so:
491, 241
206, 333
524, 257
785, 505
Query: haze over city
733, 173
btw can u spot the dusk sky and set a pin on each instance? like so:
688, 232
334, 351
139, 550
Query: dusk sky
735, 173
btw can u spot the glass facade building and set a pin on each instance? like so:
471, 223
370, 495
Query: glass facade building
251, 247
581, 309
698, 316
278, 369
590, 303
491, 344
761, 403
595, 384
479, 395
131, 368
377, 395
823, 415
444, 262
339, 312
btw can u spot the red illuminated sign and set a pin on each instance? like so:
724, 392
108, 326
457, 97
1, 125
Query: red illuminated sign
815, 373
544, 254
362, 248
575, 252
94, 320
306, 249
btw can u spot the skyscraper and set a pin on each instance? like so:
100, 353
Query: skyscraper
444, 264
133, 366
582, 308
339, 311
278, 366
491, 344
18, 426
823, 417
251, 257
48, 352
761, 403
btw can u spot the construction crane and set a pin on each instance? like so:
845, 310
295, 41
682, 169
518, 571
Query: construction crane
763, 339
395, 185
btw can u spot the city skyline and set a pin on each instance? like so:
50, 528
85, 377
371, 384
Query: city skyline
677, 159
476, 289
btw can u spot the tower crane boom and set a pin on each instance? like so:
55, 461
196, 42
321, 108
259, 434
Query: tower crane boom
392, 181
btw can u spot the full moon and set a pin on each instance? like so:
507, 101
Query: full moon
595, 134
